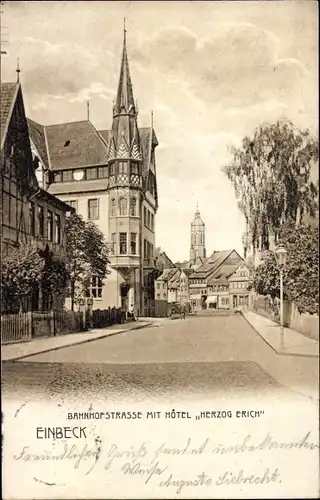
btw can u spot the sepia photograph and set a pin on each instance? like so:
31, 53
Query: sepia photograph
159, 249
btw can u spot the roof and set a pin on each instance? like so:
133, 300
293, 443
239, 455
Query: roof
167, 274
124, 99
144, 133
222, 273
38, 136
163, 258
197, 221
211, 264
7, 99
69, 145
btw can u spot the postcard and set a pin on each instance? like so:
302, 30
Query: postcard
159, 250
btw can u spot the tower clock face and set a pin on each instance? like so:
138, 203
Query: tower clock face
78, 175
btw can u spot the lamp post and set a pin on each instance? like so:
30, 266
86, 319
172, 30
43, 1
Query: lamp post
281, 257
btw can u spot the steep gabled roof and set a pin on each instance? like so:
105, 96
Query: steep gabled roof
105, 134
222, 273
38, 136
75, 144
8, 96
212, 264
167, 274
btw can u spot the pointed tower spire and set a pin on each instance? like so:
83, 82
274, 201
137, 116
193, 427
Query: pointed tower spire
124, 141
18, 71
88, 110
124, 102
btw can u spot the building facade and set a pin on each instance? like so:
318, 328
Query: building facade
220, 282
109, 177
29, 214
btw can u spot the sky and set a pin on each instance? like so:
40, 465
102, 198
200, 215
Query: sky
210, 71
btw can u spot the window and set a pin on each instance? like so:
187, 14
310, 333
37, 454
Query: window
50, 225
122, 206
134, 168
133, 206
102, 172
67, 175
113, 207
158, 285
111, 169
227, 300
41, 220
148, 219
57, 177
123, 243
222, 300
123, 167
133, 243
91, 173
145, 216
32, 225
145, 248
95, 288
57, 228
152, 222
114, 242
93, 209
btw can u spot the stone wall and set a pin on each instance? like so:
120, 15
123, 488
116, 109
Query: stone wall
305, 323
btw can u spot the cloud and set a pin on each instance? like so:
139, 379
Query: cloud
238, 63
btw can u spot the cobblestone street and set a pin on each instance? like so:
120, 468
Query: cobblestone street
191, 359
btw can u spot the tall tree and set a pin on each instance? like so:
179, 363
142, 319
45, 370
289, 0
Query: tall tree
301, 274
87, 254
270, 173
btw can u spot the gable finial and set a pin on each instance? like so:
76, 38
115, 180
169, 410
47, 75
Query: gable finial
88, 110
18, 71
124, 30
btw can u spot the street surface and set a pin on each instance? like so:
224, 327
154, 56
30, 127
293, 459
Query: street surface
196, 358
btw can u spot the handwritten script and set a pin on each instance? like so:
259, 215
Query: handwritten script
158, 463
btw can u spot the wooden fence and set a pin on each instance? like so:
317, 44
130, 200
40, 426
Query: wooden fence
24, 327
16, 328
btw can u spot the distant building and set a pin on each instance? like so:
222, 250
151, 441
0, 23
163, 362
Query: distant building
162, 260
109, 177
164, 288
197, 244
28, 212
221, 282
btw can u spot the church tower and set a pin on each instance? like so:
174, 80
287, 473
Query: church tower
197, 247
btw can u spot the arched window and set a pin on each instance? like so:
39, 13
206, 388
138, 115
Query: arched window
133, 206
123, 206
113, 207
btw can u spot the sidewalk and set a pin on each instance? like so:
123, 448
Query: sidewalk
14, 352
291, 343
